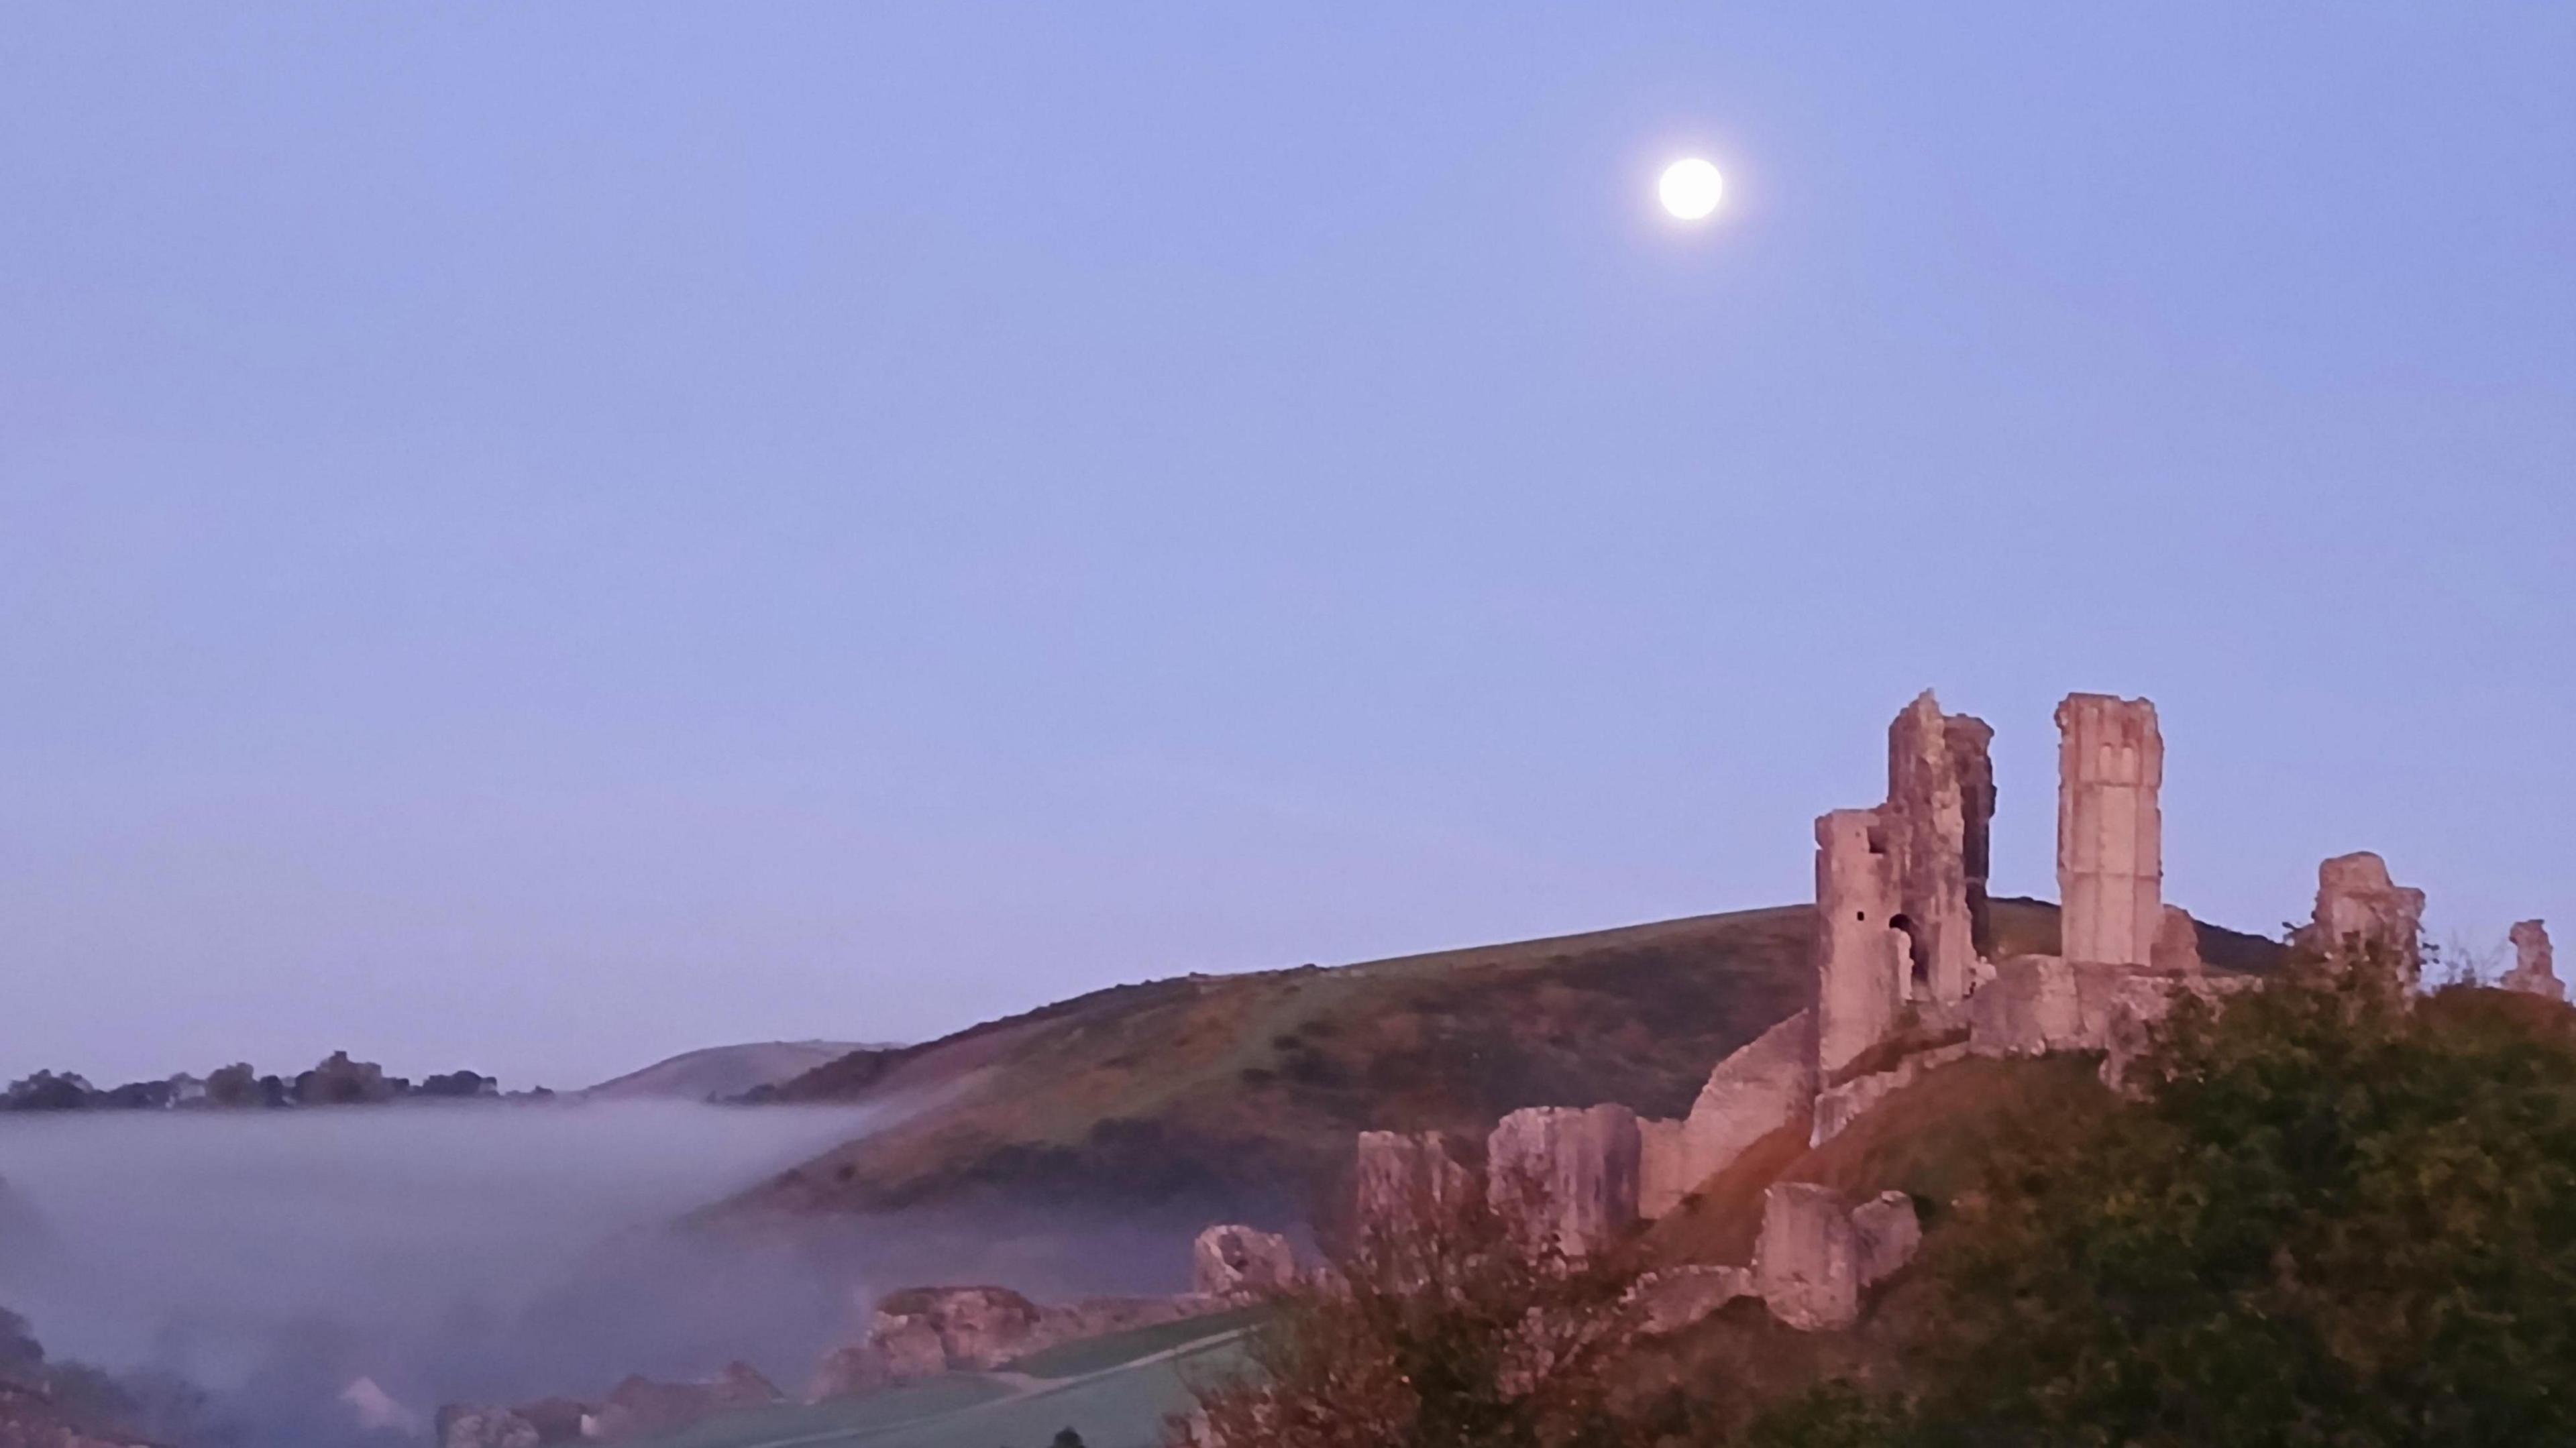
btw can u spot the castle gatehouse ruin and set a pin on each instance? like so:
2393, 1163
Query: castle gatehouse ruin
1906, 980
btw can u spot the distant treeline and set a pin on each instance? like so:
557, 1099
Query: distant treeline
337, 1081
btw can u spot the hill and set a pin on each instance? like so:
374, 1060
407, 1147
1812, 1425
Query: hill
1242, 1093
718, 1072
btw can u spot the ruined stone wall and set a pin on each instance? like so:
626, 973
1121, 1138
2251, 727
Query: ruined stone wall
1571, 1176
1767, 1083
2535, 971
1402, 1177
2110, 829
1862, 960
1940, 802
2362, 916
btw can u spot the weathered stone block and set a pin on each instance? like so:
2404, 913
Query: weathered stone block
1239, 1262
1806, 1265
1887, 1233
1570, 1174
2029, 1008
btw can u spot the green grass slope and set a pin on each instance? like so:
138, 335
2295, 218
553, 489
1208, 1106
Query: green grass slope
1247, 1089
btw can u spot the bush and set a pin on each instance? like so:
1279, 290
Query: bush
2339, 1217
1444, 1327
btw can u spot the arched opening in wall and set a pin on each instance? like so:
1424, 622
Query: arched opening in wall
1919, 976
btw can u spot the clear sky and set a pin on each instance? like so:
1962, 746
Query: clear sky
537, 536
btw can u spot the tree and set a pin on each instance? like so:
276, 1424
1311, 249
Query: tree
2340, 1217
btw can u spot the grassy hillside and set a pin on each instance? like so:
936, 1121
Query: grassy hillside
1247, 1089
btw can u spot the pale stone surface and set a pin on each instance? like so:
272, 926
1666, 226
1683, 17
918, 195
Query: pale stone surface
1237, 1261
1572, 1174
2535, 971
1837, 1107
1663, 1166
1940, 795
1888, 1234
1806, 1265
2177, 947
2030, 1008
1862, 959
468, 1426
2363, 915
1402, 1174
2110, 829
1672, 1298
1766, 1084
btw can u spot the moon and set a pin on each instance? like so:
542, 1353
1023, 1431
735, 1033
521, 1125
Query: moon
1691, 188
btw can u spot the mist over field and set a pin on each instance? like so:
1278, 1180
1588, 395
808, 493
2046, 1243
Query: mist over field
446, 1252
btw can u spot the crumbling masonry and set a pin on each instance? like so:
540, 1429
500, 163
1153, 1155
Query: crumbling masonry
1906, 982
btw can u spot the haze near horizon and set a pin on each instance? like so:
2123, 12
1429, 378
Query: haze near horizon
541, 538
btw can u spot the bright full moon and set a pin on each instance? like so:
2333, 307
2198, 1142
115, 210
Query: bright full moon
1691, 188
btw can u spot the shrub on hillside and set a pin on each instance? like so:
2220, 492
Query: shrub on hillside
2338, 1217
1443, 1327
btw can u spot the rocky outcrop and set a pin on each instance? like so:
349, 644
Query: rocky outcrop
1240, 1263
642, 1408
1887, 1233
2363, 917
462, 1425
1806, 1265
1569, 1176
922, 1332
1767, 1084
2535, 971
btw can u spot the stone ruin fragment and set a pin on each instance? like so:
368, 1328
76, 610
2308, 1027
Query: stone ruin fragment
2365, 918
2534, 971
1568, 1176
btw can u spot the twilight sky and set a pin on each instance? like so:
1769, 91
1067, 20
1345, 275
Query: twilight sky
536, 537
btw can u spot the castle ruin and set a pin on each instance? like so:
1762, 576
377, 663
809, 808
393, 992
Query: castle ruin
1906, 980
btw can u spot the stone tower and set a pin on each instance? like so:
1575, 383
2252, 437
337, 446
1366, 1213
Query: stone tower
1940, 802
1861, 951
2110, 829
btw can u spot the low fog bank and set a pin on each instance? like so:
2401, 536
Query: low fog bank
446, 1252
